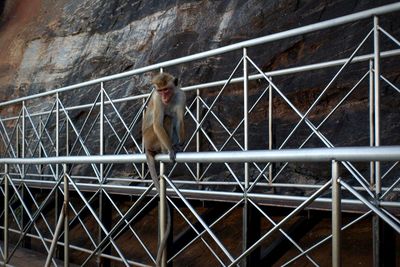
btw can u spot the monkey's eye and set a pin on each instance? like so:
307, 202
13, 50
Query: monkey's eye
164, 90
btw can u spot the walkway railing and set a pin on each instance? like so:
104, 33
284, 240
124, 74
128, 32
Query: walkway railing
65, 184
54, 142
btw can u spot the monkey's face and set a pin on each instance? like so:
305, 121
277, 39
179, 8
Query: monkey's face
165, 94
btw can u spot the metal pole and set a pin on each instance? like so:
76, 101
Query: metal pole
101, 171
40, 143
57, 131
376, 221
24, 219
6, 198
143, 164
101, 131
245, 114
371, 119
163, 213
23, 137
198, 133
246, 214
56, 194
55, 237
66, 137
377, 102
66, 218
270, 139
17, 141
336, 215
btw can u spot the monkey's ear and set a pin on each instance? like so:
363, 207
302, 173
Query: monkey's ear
176, 81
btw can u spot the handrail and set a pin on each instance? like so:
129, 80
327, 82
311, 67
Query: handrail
229, 48
382, 153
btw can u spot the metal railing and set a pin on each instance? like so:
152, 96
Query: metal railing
94, 151
333, 155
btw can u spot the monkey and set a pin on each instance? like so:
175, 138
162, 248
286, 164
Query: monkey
163, 130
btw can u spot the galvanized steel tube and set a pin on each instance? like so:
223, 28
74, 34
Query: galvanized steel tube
336, 215
6, 199
356, 154
371, 119
245, 209
377, 103
163, 214
66, 217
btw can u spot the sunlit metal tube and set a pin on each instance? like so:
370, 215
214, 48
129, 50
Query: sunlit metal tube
382, 153
163, 213
55, 237
371, 120
66, 217
377, 103
6, 199
387, 153
336, 215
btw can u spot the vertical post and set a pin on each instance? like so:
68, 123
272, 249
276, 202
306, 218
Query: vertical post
163, 213
246, 209
66, 218
377, 102
57, 207
162, 207
57, 131
104, 206
336, 215
17, 145
245, 114
376, 222
270, 137
66, 196
371, 120
66, 137
143, 164
23, 137
198, 133
24, 218
6, 198
101, 152
101, 195
40, 144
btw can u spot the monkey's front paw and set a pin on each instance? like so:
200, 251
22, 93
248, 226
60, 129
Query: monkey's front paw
178, 147
172, 155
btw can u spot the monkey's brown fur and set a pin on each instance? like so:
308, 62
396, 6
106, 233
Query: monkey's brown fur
163, 130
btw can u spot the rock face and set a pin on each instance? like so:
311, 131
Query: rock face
49, 44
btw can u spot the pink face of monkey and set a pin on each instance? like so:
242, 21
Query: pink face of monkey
165, 94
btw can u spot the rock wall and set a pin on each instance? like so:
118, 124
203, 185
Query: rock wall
47, 44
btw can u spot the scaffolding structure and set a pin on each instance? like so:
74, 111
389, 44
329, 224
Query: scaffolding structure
94, 151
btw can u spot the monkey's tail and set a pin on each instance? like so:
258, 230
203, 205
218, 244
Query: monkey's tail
152, 168
163, 242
